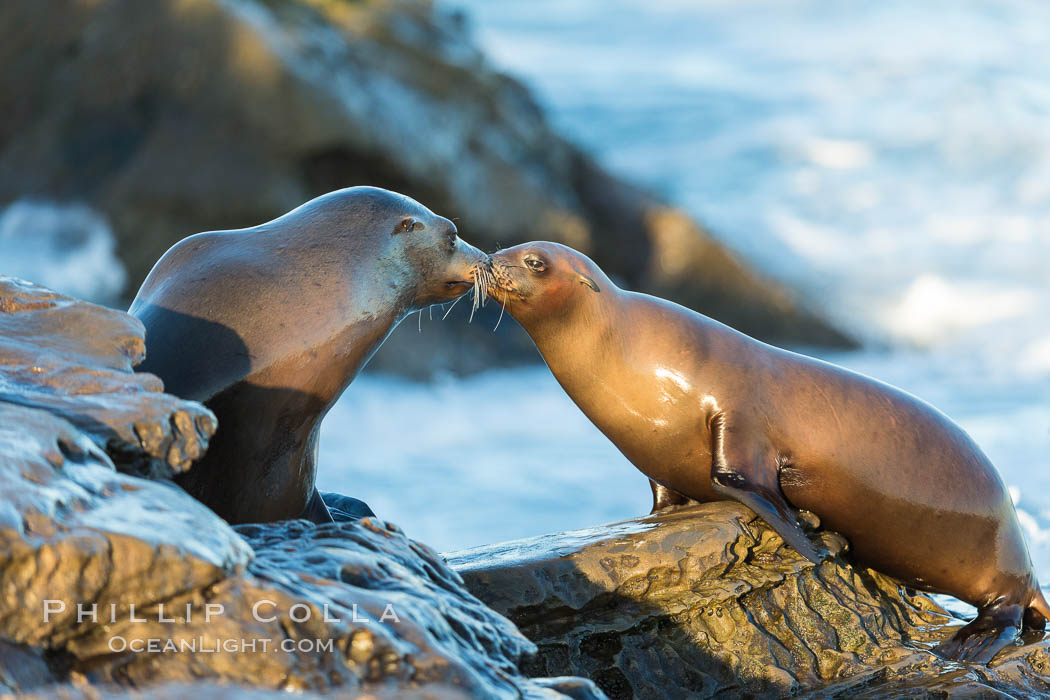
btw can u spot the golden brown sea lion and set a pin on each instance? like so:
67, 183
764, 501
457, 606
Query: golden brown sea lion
268, 325
709, 414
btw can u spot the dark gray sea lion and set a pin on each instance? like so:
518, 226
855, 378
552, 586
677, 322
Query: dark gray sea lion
268, 325
708, 413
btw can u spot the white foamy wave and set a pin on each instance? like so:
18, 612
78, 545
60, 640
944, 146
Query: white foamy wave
933, 309
66, 247
1035, 357
837, 154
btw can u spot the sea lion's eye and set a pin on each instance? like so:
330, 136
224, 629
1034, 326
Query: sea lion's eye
535, 264
409, 224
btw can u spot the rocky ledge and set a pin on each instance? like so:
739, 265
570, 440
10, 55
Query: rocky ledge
707, 601
111, 579
115, 583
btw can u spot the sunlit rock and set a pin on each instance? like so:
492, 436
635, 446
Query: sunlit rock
74, 360
707, 601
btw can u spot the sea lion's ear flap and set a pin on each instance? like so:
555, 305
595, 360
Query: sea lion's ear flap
584, 279
588, 282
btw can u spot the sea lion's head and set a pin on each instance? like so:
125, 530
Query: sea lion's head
544, 280
443, 262
419, 253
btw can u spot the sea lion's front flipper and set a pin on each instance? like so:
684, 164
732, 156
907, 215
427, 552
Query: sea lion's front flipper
664, 497
995, 627
744, 469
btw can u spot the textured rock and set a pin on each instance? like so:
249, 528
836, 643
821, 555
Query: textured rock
362, 606
74, 529
708, 601
111, 579
215, 691
75, 360
178, 116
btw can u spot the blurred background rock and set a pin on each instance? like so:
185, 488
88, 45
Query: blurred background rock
166, 118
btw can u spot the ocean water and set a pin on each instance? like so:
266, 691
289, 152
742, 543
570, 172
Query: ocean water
65, 246
889, 160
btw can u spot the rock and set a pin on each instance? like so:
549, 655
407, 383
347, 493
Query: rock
75, 360
72, 528
179, 116
107, 579
362, 606
216, 691
707, 600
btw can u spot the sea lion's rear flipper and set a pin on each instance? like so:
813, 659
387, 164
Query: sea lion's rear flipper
664, 497
1037, 614
744, 469
995, 627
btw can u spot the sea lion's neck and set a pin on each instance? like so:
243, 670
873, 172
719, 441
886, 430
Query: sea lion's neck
321, 354
578, 346
351, 351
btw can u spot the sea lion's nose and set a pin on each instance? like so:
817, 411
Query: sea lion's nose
451, 232
466, 253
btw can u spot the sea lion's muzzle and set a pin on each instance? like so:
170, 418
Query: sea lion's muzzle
502, 282
462, 268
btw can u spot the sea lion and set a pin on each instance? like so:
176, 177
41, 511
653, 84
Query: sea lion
268, 325
709, 413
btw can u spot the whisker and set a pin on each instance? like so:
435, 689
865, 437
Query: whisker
504, 308
474, 301
481, 284
450, 309
419, 318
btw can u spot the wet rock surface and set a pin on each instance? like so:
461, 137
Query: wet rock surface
344, 606
179, 116
113, 580
74, 360
707, 601
207, 690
